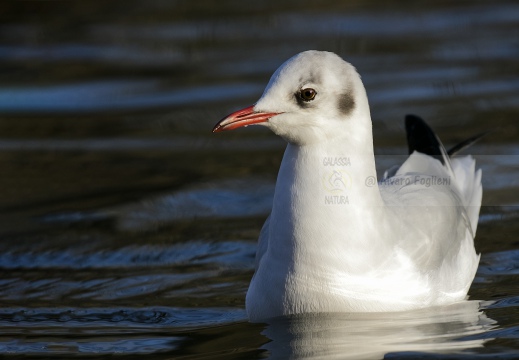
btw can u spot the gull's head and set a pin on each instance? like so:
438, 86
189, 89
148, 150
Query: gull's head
314, 96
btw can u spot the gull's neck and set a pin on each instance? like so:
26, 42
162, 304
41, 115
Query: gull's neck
325, 200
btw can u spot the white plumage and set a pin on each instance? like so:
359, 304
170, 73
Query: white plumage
334, 241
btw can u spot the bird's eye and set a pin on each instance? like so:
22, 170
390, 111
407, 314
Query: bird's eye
307, 94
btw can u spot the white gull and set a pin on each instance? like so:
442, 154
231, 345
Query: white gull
337, 241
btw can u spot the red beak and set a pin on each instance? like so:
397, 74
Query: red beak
241, 118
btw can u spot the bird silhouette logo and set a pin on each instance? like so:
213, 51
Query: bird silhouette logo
336, 181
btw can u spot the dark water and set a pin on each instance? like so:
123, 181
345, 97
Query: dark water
128, 228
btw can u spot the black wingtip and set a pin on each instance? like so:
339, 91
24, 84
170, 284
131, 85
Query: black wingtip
468, 142
421, 138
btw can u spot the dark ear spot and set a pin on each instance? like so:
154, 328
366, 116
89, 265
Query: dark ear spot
346, 103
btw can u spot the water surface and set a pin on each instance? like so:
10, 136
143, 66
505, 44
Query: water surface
128, 228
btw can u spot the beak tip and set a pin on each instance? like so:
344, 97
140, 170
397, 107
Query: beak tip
244, 117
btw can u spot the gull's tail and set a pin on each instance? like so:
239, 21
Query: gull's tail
421, 138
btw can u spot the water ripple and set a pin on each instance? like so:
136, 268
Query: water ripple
160, 317
114, 95
226, 253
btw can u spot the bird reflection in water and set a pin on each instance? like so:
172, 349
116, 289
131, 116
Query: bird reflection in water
456, 328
